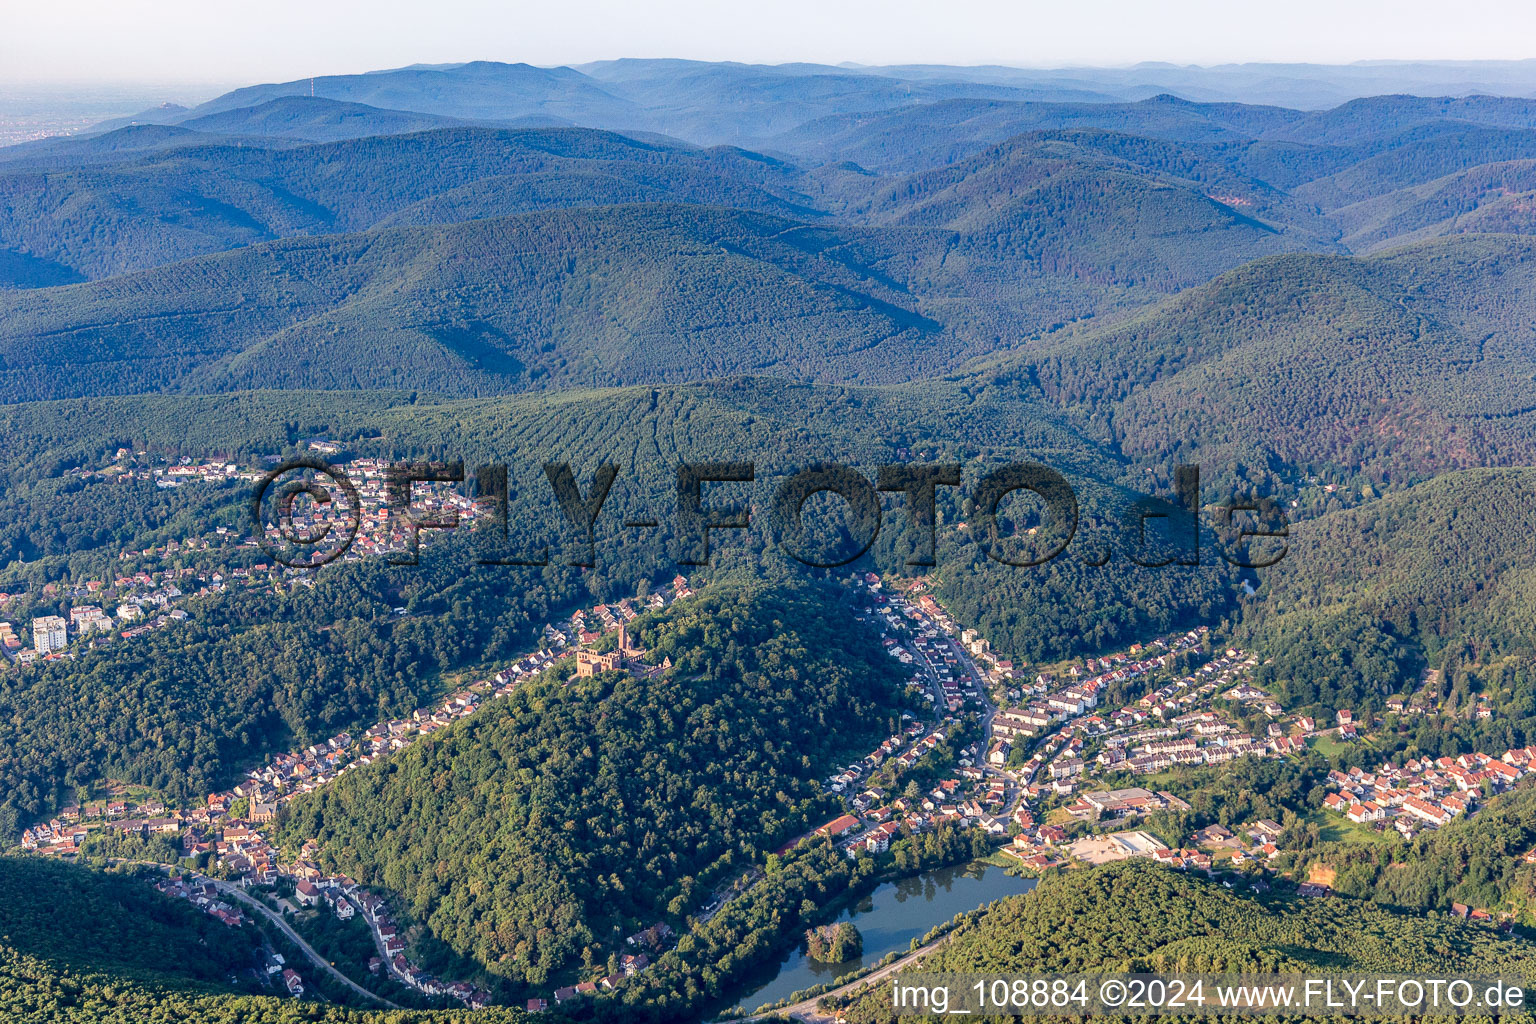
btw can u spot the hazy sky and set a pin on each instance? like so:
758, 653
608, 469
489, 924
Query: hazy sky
274, 40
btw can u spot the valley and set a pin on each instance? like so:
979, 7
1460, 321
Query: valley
1021, 802
535, 766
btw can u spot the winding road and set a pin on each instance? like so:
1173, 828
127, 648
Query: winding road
235, 892
246, 899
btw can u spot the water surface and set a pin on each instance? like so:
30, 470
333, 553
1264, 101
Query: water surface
889, 919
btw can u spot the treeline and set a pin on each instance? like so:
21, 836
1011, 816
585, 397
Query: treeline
1324, 663
60, 527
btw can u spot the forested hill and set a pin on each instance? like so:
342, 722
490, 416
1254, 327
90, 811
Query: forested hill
315, 120
1443, 575
940, 223
577, 811
1487, 198
87, 947
779, 423
1397, 366
1135, 917
208, 195
633, 294
613, 295
1001, 187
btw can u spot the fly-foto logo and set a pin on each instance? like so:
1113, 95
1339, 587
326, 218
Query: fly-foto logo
306, 513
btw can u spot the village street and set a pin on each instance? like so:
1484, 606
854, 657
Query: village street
250, 902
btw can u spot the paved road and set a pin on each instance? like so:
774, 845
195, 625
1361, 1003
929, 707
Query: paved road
319, 961
807, 1011
245, 898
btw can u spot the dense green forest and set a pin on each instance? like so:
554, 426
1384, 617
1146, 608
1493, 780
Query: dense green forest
94, 921
573, 808
479, 307
545, 257
1136, 917
1477, 862
569, 297
1395, 367
1092, 598
1245, 790
132, 215
1491, 197
1437, 575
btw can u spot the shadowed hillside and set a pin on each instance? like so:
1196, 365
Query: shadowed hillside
198, 199
1405, 364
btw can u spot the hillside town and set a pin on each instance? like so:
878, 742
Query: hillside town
1050, 737
1026, 779
1424, 793
229, 827
103, 611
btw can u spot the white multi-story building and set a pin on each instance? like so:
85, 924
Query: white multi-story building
49, 634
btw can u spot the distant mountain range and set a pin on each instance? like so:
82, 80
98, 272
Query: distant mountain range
1174, 274
208, 255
